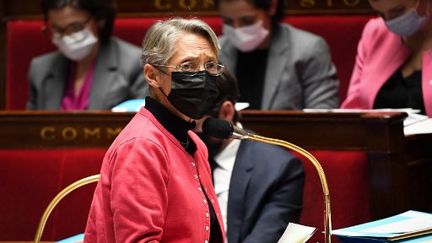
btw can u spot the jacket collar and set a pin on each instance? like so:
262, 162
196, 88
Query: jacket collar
104, 74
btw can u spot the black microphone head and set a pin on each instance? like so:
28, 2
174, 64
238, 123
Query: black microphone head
217, 128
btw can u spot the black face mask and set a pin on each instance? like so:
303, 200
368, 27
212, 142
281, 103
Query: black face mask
193, 93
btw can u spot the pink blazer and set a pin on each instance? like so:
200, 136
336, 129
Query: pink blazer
380, 53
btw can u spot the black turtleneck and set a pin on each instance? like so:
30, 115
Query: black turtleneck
174, 124
179, 128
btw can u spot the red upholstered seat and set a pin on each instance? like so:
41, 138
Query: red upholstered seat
29, 179
25, 41
346, 174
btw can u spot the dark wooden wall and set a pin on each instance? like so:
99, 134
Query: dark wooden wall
26, 8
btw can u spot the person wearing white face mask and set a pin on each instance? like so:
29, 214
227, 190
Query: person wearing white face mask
91, 69
278, 67
394, 60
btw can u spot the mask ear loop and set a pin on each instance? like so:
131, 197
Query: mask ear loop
163, 72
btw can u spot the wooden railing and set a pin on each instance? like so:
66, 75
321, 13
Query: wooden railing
399, 166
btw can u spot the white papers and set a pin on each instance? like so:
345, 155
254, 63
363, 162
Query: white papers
241, 105
296, 233
407, 110
417, 124
133, 105
399, 225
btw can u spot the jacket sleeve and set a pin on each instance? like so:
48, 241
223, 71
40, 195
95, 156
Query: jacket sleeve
319, 80
352, 99
32, 91
139, 177
283, 205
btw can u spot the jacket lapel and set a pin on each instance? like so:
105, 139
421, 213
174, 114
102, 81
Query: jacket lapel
104, 75
393, 53
56, 82
277, 56
238, 186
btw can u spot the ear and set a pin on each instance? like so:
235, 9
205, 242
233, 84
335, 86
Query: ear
151, 74
227, 111
273, 7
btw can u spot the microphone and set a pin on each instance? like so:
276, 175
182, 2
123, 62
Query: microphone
223, 129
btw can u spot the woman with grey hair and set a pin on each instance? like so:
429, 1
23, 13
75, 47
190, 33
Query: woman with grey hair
155, 183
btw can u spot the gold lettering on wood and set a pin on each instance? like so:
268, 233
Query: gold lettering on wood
187, 4
307, 3
112, 133
159, 5
48, 133
208, 4
95, 133
69, 133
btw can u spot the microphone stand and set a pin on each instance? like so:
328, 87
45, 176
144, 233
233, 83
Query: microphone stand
327, 213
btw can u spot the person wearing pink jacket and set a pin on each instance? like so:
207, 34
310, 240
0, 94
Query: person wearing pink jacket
394, 58
155, 183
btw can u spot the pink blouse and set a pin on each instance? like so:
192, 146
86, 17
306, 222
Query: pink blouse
80, 102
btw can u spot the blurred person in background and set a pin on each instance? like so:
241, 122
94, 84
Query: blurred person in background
259, 186
394, 59
277, 65
91, 69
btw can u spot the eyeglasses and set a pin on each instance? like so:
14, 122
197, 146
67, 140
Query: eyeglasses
69, 30
212, 68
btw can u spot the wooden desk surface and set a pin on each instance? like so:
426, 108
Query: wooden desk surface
339, 131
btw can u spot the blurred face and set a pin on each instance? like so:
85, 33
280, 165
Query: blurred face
241, 13
68, 20
391, 9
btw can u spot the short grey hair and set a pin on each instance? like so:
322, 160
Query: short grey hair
158, 44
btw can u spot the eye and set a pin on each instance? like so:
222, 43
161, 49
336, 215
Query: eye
211, 66
188, 67
247, 20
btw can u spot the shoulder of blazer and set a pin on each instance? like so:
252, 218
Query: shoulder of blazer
296, 40
263, 152
126, 55
375, 33
46, 59
43, 66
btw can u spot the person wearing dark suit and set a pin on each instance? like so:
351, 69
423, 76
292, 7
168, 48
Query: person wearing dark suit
91, 69
278, 66
259, 186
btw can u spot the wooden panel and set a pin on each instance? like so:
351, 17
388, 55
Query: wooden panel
2, 57
398, 166
24, 8
340, 131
